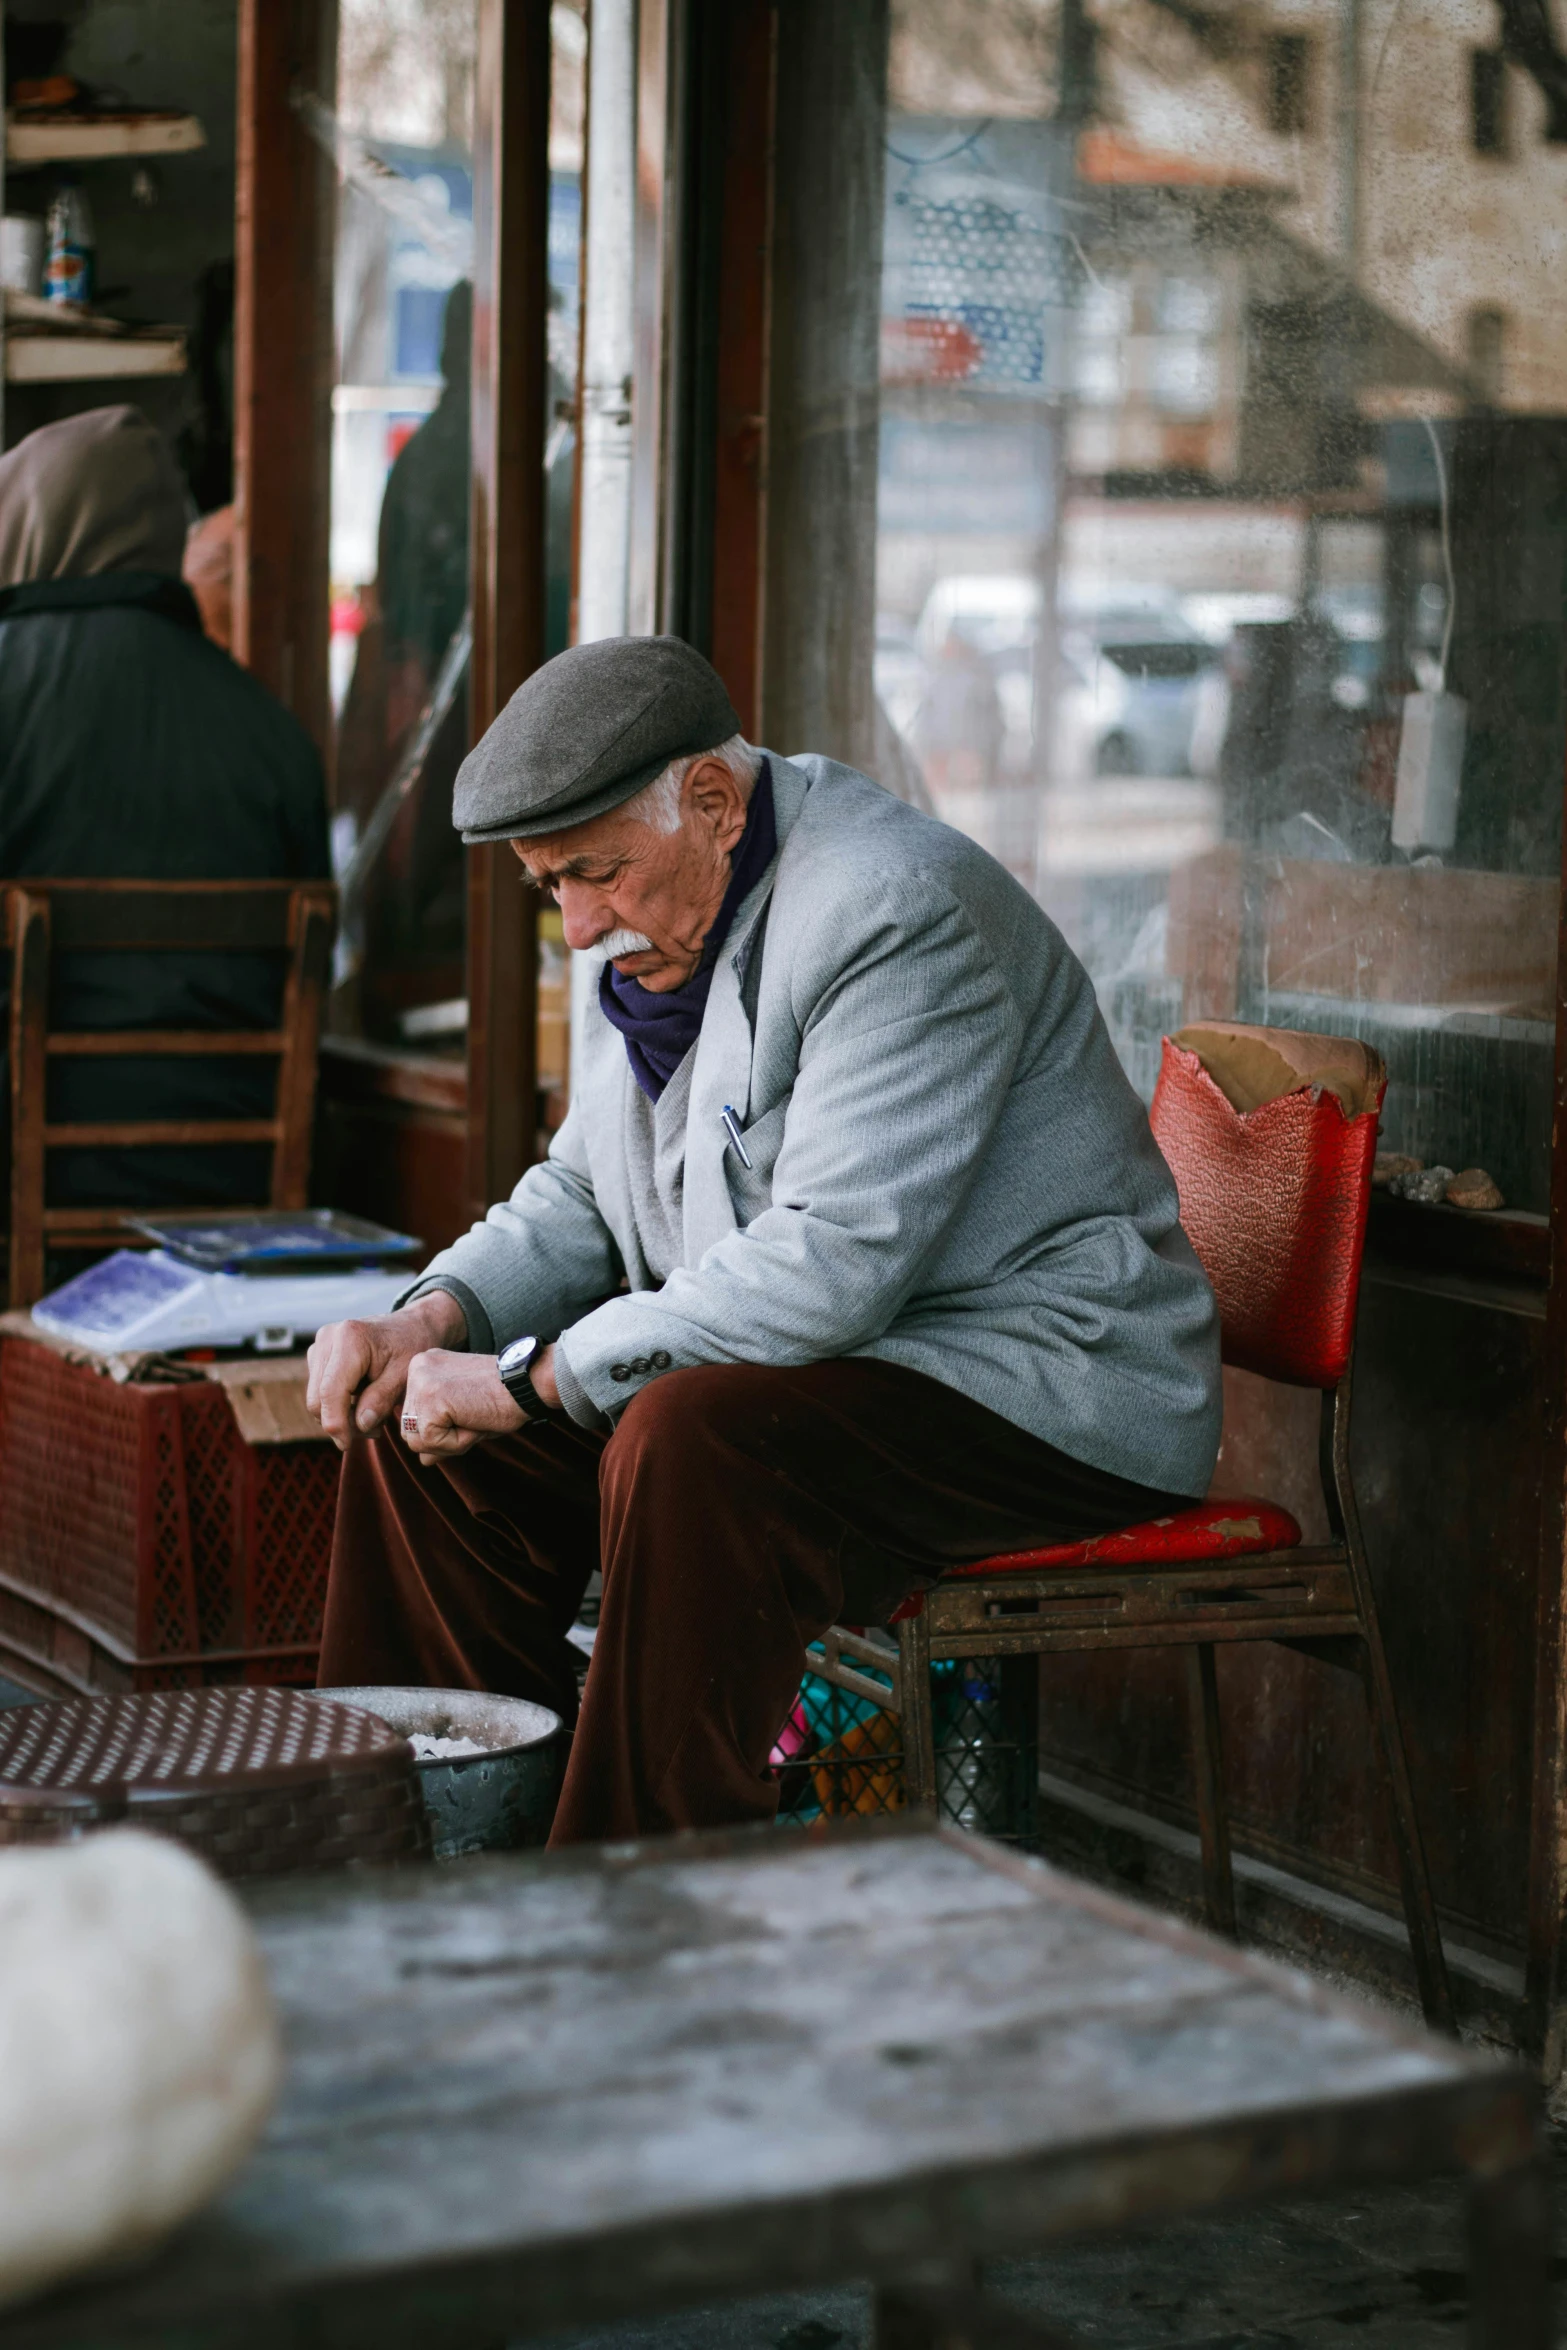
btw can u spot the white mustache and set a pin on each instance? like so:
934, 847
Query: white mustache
616, 943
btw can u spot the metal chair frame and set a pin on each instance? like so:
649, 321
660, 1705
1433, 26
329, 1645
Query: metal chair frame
1317, 1597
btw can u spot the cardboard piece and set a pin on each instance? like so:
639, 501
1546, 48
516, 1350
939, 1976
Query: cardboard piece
268, 1400
1443, 937
1251, 1066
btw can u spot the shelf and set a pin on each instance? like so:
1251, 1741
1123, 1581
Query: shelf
87, 138
355, 1071
1505, 1243
59, 359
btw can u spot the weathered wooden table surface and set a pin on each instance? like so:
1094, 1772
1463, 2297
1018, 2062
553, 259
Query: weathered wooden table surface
532, 2092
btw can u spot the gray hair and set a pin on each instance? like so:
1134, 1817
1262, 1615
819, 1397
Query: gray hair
657, 805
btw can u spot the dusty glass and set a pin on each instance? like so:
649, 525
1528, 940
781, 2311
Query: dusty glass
1220, 526
402, 135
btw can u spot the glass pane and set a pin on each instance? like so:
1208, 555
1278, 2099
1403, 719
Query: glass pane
1221, 530
400, 499
401, 490
568, 118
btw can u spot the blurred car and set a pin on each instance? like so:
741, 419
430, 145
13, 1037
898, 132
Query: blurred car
1138, 678
1133, 698
1136, 673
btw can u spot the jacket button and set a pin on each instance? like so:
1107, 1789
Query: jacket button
620, 1371
661, 1361
642, 1366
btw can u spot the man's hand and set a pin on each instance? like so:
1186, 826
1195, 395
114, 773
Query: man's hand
454, 1401
357, 1370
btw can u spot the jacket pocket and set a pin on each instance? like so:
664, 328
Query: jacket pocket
751, 1188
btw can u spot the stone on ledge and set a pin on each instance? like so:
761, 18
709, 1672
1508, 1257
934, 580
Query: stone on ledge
1428, 1186
1473, 1189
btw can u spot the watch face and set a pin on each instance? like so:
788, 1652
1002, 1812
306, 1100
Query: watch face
514, 1365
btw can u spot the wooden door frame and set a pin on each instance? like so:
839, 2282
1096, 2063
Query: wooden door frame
284, 219
1546, 1957
510, 398
705, 76
650, 317
739, 493
283, 368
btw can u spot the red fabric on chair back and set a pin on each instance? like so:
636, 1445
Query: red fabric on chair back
1275, 1202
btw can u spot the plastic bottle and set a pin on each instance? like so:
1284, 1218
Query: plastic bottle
69, 262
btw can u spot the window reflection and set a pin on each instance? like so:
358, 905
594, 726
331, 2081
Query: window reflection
400, 505
402, 134
1200, 398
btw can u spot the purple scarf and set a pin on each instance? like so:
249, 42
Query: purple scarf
661, 1029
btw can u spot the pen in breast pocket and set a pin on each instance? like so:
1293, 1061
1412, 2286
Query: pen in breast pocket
731, 1126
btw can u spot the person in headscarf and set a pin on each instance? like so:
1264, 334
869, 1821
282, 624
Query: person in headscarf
133, 748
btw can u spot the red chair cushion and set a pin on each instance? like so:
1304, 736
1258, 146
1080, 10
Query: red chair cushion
1274, 1201
1208, 1530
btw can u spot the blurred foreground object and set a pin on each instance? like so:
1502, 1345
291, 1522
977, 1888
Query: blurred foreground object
260, 1782
139, 2053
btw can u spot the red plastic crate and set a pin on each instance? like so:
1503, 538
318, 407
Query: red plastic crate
143, 1543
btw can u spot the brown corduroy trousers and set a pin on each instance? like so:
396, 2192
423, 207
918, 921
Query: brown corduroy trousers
736, 1512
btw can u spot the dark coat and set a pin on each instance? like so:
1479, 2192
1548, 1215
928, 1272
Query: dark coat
133, 748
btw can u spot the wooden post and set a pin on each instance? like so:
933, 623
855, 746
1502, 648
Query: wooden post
510, 387
738, 468
1213, 1816
1548, 1799
650, 322
705, 71
824, 399
309, 972
29, 928
284, 219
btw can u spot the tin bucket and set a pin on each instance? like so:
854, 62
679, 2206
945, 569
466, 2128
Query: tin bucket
490, 1802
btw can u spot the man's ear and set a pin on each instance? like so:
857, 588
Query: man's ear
711, 787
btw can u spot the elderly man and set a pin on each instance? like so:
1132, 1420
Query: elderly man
854, 1260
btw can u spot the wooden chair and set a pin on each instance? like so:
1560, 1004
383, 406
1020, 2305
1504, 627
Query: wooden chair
1274, 1199
292, 920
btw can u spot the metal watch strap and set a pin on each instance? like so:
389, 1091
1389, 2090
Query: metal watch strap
519, 1384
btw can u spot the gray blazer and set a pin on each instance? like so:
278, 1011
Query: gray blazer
949, 1168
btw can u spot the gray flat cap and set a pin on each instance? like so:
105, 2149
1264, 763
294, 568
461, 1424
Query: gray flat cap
586, 732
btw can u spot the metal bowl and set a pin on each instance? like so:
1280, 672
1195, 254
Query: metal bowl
490, 1802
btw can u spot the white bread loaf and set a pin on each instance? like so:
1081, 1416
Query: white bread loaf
139, 2051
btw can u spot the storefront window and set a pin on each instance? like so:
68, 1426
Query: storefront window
1194, 467
402, 301
402, 134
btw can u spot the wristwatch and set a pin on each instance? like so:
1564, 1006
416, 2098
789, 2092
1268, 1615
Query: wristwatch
515, 1365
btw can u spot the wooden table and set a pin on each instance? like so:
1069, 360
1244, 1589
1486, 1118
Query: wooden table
540, 2091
